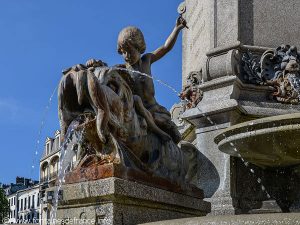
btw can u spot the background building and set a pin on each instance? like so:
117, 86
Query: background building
49, 167
23, 187
13, 214
50, 159
29, 205
28, 199
21, 183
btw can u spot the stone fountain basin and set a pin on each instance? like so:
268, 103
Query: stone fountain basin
267, 142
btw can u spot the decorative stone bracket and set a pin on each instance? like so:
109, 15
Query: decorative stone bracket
279, 68
191, 93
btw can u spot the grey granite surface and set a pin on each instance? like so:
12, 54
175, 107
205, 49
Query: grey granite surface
118, 201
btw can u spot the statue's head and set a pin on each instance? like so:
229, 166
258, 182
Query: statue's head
131, 44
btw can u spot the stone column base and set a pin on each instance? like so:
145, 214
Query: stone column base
118, 201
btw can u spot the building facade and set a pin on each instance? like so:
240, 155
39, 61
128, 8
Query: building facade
13, 214
16, 194
50, 159
29, 201
49, 167
29, 205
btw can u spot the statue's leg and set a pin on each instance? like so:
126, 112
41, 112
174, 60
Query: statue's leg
99, 99
149, 119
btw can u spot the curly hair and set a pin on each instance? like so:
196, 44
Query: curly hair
134, 37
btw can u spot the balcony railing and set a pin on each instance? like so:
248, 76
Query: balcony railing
51, 176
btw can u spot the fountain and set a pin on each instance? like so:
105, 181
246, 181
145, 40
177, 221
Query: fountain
242, 94
268, 142
125, 170
121, 161
237, 153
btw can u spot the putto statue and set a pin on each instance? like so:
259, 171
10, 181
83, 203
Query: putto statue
116, 111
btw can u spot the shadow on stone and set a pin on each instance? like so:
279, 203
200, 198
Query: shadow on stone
208, 176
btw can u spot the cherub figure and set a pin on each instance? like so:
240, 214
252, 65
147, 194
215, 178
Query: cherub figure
131, 45
102, 113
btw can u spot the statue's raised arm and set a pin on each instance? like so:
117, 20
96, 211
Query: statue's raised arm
170, 42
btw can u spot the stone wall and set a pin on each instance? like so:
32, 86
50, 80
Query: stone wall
220, 23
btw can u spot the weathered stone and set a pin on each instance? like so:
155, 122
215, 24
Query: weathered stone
268, 23
191, 94
224, 24
228, 101
259, 219
267, 142
98, 105
117, 201
98, 172
278, 68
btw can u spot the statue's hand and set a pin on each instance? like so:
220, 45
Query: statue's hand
95, 63
180, 23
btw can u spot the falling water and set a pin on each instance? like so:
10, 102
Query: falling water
151, 77
259, 181
43, 122
74, 137
72, 141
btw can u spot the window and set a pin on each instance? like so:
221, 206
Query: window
32, 206
38, 199
29, 202
47, 148
25, 203
56, 166
45, 171
21, 208
58, 142
14, 200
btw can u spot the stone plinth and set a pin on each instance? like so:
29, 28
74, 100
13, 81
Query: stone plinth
118, 201
261, 219
98, 172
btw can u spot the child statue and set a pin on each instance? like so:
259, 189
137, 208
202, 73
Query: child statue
131, 45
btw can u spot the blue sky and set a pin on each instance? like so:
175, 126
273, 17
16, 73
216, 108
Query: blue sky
40, 38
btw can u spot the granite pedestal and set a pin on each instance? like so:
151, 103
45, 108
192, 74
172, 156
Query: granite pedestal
116, 196
118, 201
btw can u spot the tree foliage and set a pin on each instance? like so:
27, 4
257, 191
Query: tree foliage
4, 206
